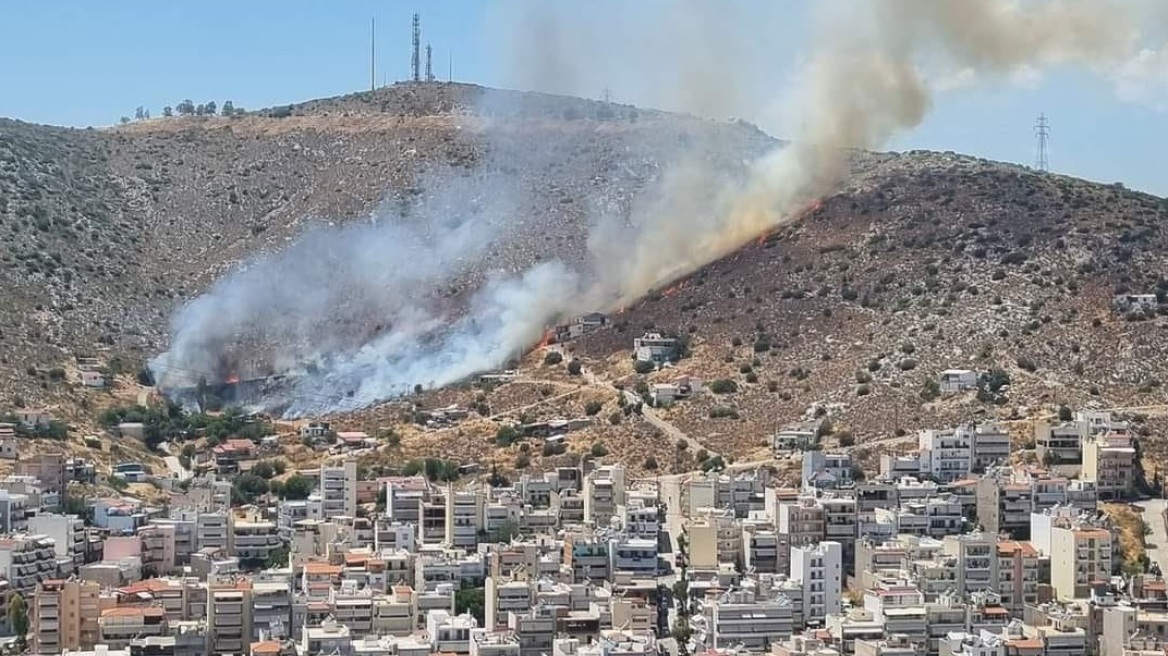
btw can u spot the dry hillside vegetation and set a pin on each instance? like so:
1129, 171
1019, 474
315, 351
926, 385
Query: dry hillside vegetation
922, 262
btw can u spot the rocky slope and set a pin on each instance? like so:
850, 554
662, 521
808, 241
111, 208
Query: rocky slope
924, 261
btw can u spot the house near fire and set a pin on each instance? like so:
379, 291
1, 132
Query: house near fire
94, 379
580, 326
355, 440
229, 454
654, 347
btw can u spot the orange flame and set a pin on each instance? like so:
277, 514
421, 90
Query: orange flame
672, 291
549, 336
233, 379
812, 207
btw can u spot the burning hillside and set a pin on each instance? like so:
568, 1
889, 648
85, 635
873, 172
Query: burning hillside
316, 301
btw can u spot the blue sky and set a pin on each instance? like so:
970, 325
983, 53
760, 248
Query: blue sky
79, 63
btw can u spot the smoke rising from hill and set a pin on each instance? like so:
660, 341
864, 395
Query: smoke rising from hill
863, 84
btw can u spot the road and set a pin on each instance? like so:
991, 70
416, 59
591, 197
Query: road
1157, 542
176, 469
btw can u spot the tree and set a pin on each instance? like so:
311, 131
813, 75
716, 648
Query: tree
471, 600
1065, 414
185, 108
723, 386
599, 450
247, 488
506, 436
297, 487
228, 108
168, 111
574, 367
592, 408
210, 108
643, 366
124, 120
18, 619
139, 113
200, 109
553, 358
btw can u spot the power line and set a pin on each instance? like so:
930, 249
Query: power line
1042, 136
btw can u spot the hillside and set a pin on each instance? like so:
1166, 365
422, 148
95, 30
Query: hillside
927, 262
105, 233
922, 262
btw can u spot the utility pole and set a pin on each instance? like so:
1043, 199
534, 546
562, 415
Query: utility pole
607, 95
416, 60
429, 63
372, 54
1042, 135
450, 66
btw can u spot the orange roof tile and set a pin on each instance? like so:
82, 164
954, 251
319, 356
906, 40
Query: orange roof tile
266, 647
322, 568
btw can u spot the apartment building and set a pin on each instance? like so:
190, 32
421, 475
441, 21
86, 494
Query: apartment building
26, 559
1080, 558
68, 534
254, 539
604, 491
1017, 574
819, 568
64, 615
1109, 462
465, 517
714, 537
827, 470
1061, 443
742, 617
338, 489
229, 617
121, 625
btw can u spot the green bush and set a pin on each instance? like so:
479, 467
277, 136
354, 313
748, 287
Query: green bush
599, 450
723, 386
553, 358
592, 408
644, 366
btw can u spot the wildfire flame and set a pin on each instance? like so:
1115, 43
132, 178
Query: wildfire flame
672, 291
549, 336
812, 207
232, 379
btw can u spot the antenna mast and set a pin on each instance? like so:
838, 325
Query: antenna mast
450, 66
372, 54
416, 62
1042, 136
429, 63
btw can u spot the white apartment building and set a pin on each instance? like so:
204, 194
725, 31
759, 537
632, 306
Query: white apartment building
15, 509
338, 489
465, 517
742, 617
639, 519
946, 455
637, 556
67, 532
229, 617
604, 491
819, 568
450, 633
254, 539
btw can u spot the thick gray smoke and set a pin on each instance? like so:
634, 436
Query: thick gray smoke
863, 84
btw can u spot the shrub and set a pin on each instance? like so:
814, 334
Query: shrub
598, 450
874, 366
908, 348
846, 438
592, 408
930, 389
745, 369
615, 418
736, 342
907, 364
574, 367
506, 436
723, 386
522, 461
1064, 413
752, 378
722, 412
772, 386
643, 366
650, 463
863, 378
1026, 364
863, 390
553, 358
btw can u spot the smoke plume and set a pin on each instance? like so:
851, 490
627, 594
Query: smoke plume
863, 83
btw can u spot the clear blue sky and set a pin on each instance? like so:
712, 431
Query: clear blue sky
80, 62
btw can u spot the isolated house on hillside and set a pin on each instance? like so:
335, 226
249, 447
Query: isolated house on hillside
955, 381
1124, 303
31, 419
797, 437
654, 347
580, 326
92, 378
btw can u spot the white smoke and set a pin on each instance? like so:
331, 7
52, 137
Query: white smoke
863, 84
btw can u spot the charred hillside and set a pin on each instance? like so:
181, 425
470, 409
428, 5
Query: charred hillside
924, 262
